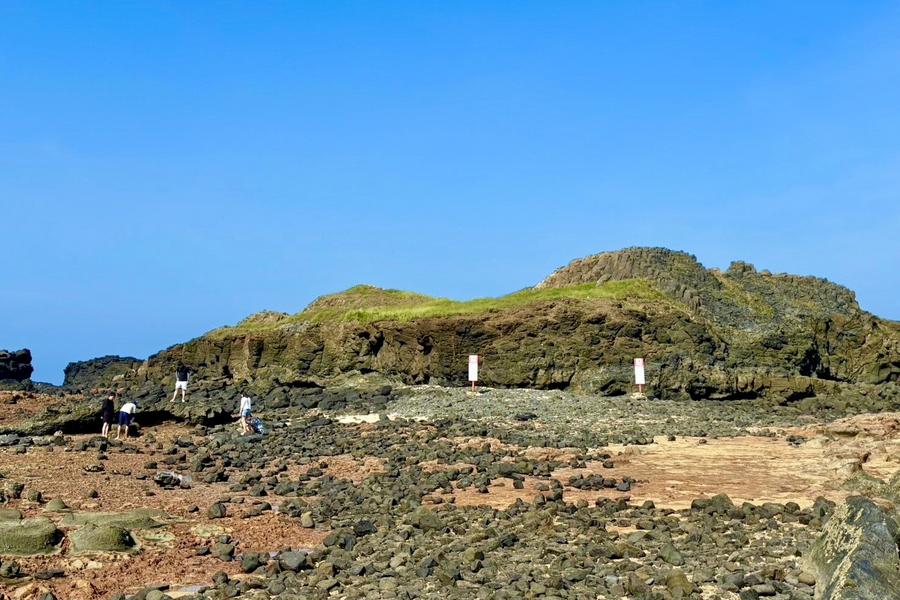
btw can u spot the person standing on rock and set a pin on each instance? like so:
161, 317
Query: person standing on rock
182, 374
125, 413
245, 414
108, 413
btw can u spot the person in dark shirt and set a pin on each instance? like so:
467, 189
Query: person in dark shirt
182, 375
108, 413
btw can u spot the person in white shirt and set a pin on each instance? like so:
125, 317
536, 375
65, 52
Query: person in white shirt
125, 414
245, 414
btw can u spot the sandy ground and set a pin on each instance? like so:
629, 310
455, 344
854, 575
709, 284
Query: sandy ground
749, 468
341, 466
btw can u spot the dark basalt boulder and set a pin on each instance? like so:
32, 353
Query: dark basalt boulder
857, 556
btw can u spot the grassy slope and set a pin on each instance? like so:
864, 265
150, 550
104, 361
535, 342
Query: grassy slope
425, 307
367, 304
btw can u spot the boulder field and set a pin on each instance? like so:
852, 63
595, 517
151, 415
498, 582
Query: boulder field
447, 494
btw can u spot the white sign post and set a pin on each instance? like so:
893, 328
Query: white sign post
473, 370
639, 374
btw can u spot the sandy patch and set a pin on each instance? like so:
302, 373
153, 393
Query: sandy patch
750, 468
341, 466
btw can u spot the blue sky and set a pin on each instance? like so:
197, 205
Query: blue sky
170, 167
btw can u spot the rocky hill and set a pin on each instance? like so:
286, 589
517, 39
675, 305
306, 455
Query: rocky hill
736, 334
806, 325
83, 375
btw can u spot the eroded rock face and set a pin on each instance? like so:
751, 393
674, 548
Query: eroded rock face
542, 346
704, 333
807, 326
104, 370
15, 366
857, 556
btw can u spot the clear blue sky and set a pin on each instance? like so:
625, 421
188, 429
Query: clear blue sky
168, 167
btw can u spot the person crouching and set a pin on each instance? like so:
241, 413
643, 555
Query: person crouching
125, 414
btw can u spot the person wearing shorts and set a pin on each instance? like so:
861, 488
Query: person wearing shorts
108, 414
246, 414
182, 374
125, 415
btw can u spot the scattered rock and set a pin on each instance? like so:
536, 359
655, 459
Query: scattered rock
56, 505
292, 561
426, 520
671, 555
223, 551
216, 511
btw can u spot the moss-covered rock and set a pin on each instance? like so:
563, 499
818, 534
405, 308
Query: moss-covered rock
141, 518
28, 537
10, 514
101, 538
57, 505
66, 417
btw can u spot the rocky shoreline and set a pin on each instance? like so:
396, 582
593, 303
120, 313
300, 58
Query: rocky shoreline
442, 493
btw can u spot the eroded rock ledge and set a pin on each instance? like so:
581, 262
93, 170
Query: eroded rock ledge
857, 557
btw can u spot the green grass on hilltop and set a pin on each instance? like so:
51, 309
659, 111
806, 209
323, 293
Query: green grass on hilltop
366, 296
427, 307
367, 304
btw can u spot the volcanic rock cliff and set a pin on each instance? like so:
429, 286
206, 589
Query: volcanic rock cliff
103, 370
15, 366
736, 334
